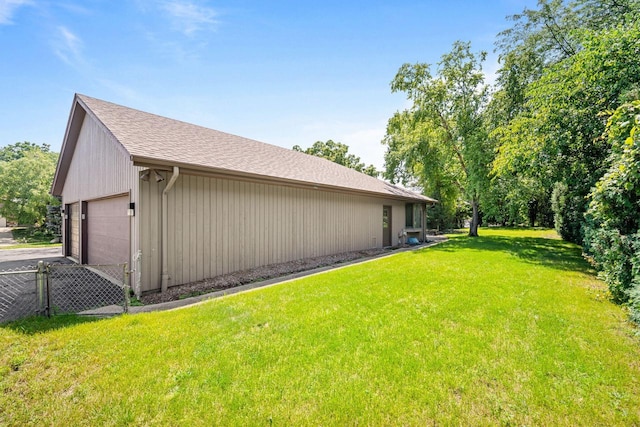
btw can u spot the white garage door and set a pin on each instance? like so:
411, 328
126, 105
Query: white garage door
108, 231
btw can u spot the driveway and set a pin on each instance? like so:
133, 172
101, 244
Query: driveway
12, 259
6, 237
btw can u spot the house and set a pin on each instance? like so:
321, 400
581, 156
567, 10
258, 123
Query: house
180, 202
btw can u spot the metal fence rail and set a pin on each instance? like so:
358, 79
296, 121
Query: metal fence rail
50, 289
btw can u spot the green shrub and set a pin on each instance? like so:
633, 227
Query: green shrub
612, 230
566, 206
614, 255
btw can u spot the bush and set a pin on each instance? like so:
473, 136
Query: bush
567, 208
612, 230
53, 222
617, 258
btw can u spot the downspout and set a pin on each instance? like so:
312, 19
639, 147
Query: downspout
165, 228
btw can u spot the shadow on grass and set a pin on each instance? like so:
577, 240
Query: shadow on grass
36, 324
552, 253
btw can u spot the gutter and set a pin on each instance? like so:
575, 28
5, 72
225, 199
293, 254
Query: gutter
165, 228
190, 169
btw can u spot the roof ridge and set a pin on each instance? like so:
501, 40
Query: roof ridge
154, 137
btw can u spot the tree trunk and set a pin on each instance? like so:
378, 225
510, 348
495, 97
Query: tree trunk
475, 219
533, 212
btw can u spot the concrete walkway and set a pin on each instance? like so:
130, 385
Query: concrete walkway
172, 305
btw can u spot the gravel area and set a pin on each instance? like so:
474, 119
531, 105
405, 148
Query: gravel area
257, 274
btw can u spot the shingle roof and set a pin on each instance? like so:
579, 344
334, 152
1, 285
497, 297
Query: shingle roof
150, 137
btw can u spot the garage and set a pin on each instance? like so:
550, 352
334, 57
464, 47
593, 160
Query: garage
108, 231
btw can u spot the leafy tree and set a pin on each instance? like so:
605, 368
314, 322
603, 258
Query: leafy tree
612, 233
441, 141
544, 113
19, 149
554, 141
338, 153
25, 182
550, 34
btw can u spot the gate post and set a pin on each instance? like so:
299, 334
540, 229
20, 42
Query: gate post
42, 289
126, 288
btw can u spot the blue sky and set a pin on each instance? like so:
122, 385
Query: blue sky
282, 72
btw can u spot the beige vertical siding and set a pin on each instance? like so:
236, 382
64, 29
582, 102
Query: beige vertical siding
217, 226
149, 212
100, 168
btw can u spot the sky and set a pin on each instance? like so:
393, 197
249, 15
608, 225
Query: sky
282, 72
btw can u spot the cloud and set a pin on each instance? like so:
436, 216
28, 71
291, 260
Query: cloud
188, 17
68, 47
8, 9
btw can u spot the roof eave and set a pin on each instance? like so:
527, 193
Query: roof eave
79, 111
74, 124
228, 173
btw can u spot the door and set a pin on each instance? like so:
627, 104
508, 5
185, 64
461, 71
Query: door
386, 226
108, 231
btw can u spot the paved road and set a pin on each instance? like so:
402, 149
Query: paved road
6, 237
10, 259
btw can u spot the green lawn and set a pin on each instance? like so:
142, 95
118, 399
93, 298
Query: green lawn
27, 237
511, 328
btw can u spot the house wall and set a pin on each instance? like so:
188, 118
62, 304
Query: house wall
217, 226
101, 168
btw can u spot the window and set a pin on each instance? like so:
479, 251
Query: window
413, 215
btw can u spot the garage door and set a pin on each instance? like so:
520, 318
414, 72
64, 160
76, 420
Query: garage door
74, 234
108, 231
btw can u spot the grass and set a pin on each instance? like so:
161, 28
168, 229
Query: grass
29, 237
510, 328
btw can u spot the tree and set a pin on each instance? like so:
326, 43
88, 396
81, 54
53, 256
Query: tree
25, 181
555, 140
562, 64
441, 141
612, 232
19, 149
338, 153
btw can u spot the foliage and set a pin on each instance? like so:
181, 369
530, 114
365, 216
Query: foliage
612, 233
54, 218
441, 141
31, 237
548, 35
338, 153
554, 140
567, 208
506, 329
25, 182
19, 149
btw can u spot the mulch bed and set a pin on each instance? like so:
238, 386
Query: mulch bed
257, 274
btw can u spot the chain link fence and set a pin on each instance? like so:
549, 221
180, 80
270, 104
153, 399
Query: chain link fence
51, 289
88, 289
19, 293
